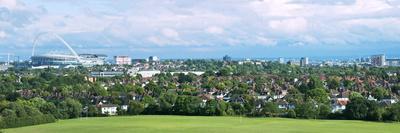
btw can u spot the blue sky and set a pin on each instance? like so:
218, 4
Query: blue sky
204, 29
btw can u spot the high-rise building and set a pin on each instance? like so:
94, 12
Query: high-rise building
378, 60
122, 60
153, 59
304, 61
227, 58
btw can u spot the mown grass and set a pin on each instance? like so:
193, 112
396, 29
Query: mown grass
199, 124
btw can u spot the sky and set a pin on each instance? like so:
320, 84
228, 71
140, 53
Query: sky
202, 28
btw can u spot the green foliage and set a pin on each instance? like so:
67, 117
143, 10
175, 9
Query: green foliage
362, 109
187, 105
307, 110
393, 113
69, 108
319, 95
291, 113
380, 93
270, 109
324, 111
216, 107
135, 108
355, 95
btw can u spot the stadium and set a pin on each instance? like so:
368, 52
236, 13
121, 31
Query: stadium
57, 60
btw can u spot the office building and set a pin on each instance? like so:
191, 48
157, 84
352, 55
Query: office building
122, 60
304, 62
153, 59
378, 60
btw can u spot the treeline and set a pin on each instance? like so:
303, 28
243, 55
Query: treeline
170, 104
36, 111
29, 97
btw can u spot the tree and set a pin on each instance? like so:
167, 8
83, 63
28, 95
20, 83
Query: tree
166, 102
354, 95
270, 109
150, 105
187, 105
357, 109
375, 113
211, 107
216, 107
333, 83
92, 111
182, 78
291, 113
393, 113
135, 108
307, 110
324, 110
380, 93
70, 108
238, 108
319, 95
314, 83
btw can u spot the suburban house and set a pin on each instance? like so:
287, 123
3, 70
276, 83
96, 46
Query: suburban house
107, 109
388, 101
282, 104
339, 104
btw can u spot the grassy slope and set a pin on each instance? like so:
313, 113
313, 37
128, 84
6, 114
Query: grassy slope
172, 124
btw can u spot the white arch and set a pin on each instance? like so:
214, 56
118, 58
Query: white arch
59, 38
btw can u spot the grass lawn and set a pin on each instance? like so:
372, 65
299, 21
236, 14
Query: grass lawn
198, 124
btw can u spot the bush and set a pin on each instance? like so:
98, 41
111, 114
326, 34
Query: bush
392, 113
135, 108
291, 113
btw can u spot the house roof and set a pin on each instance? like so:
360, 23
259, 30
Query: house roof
108, 105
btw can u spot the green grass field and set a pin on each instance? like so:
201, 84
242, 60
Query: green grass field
197, 124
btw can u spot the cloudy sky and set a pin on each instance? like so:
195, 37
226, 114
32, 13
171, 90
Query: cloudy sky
203, 28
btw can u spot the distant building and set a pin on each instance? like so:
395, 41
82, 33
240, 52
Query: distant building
393, 62
122, 60
292, 62
89, 60
378, 60
4, 67
304, 61
281, 60
146, 74
227, 58
153, 59
135, 61
106, 74
108, 109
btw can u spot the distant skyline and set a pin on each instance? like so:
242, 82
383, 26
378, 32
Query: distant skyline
204, 29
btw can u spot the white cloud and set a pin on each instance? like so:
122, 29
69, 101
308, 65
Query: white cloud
10, 4
214, 30
3, 35
206, 23
275, 8
265, 41
170, 33
292, 25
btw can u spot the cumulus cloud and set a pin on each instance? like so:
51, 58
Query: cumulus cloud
292, 25
207, 23
170, 33
3, 34
214, 30
10, 4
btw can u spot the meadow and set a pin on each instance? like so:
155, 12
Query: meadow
200, 124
